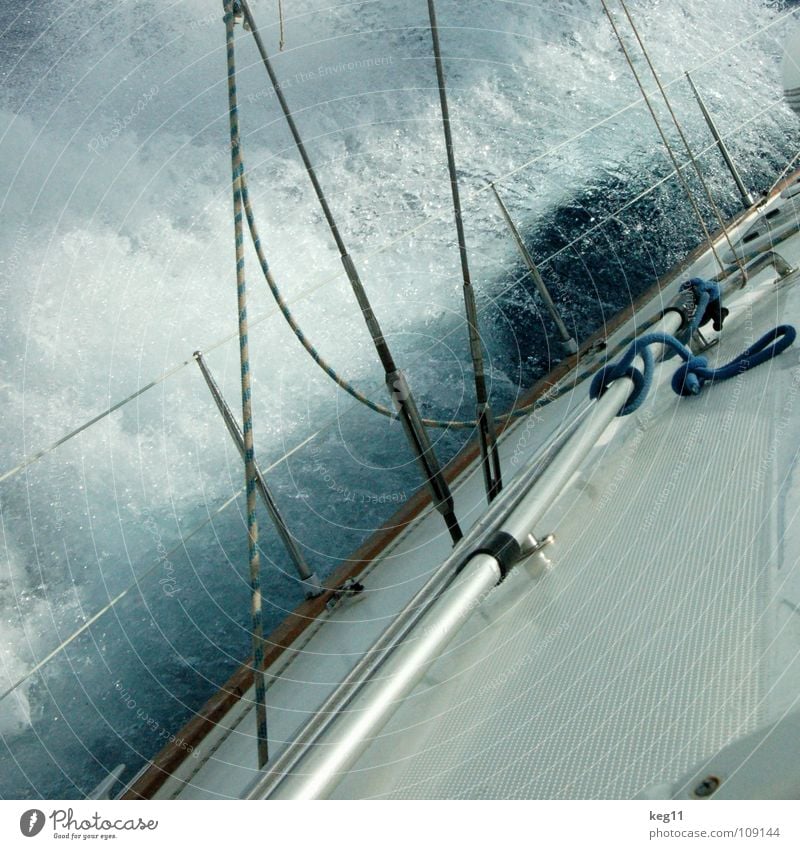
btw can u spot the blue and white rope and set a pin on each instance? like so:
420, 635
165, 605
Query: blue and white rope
247, 411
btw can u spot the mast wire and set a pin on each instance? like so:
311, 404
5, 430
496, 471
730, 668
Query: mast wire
662, 134
519, 411
679, 128
310, 290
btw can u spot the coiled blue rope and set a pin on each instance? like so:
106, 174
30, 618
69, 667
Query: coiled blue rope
705, 291
690, 377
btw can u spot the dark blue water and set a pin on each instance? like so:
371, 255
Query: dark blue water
122, 504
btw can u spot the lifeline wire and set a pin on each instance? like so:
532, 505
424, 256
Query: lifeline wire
682, 135
661, 133
31, 458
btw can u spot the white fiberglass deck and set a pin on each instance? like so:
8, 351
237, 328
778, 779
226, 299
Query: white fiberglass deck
667, 626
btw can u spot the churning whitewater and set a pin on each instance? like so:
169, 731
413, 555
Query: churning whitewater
117, 263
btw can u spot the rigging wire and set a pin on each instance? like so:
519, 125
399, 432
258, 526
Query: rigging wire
679, 128
396, 383
257, 627
487, 434
281, 34
360, 396
327, 426
433, 218
650, 189
662, 134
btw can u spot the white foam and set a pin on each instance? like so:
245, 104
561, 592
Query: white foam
117, 234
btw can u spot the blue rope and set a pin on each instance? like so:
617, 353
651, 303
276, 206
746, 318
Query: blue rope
705, 291
690, 377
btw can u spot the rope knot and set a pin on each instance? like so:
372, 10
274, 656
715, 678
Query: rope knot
708, 304
690, 377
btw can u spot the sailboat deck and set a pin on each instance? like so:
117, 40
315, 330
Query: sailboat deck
650, 642
665, 627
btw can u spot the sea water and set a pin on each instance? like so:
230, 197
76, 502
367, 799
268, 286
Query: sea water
116, 263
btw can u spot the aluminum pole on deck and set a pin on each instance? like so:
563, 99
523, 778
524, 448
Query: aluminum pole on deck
316, 773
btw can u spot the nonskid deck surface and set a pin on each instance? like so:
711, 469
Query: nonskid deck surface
643, 649
667, 626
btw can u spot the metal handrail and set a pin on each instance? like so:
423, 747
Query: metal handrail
735, 278
410, 615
